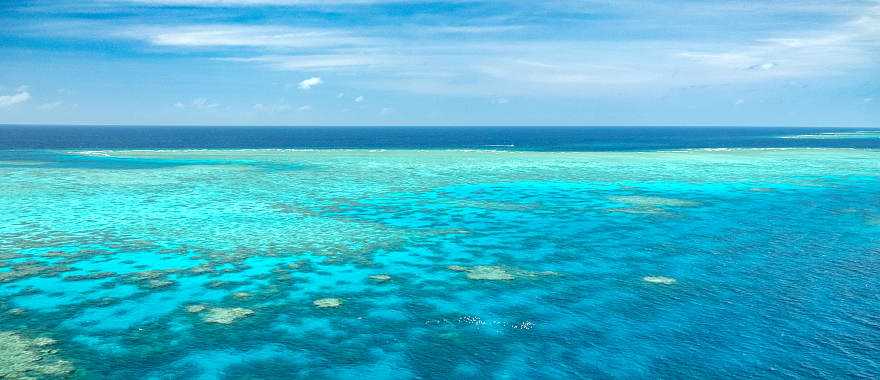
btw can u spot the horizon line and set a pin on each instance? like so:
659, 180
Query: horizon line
400, 126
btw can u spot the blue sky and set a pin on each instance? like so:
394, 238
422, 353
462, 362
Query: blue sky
460, 62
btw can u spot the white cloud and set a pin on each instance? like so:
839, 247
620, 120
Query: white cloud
203, 103
256, 36
304, 108
246, 3
359, 99
763, 66
50, 106
726, 59
386, 111
470, 29
851, 44
378, 56
20, 96
200, 104
339, 61
309, 83
567, 72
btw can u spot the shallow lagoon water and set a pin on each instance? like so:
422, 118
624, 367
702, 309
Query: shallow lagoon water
699, 263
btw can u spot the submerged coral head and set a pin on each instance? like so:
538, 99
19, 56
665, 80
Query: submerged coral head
328, 302
660, 280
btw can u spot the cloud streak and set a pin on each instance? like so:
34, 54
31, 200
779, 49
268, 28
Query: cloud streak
487, 56
19, 97
318, 62
307, 84
50, 106
510, 67
198, 104
852, 44
253, 3
237, 36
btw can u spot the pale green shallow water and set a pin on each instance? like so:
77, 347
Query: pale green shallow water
766, 260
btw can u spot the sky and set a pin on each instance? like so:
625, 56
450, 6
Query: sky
457, 62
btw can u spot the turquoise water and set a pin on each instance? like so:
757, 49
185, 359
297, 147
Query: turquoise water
697, 263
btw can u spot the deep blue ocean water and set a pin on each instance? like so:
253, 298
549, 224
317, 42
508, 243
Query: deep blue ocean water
519, 138
430, 253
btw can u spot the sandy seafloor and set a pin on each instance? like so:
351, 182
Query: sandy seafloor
206, 264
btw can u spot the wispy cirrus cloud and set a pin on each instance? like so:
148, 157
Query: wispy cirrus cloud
853, 43
254, 36
500, 60
51, 105
252, 3
339, 60
199, 104
272, 108
514, 66
500, 51
470, 29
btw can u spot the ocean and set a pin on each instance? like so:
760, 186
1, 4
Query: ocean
435, 253
519, 138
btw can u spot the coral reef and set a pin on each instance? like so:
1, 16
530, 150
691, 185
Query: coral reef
491, 273
217, 284
639, 210
201, 269
30, 269
147, 275
380, 278
195, 308
649, 201
241, 295
160, 283
496, 273
43, 341
23, 358
659, 280
328, 302
226, 315
90, 276
298, 264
